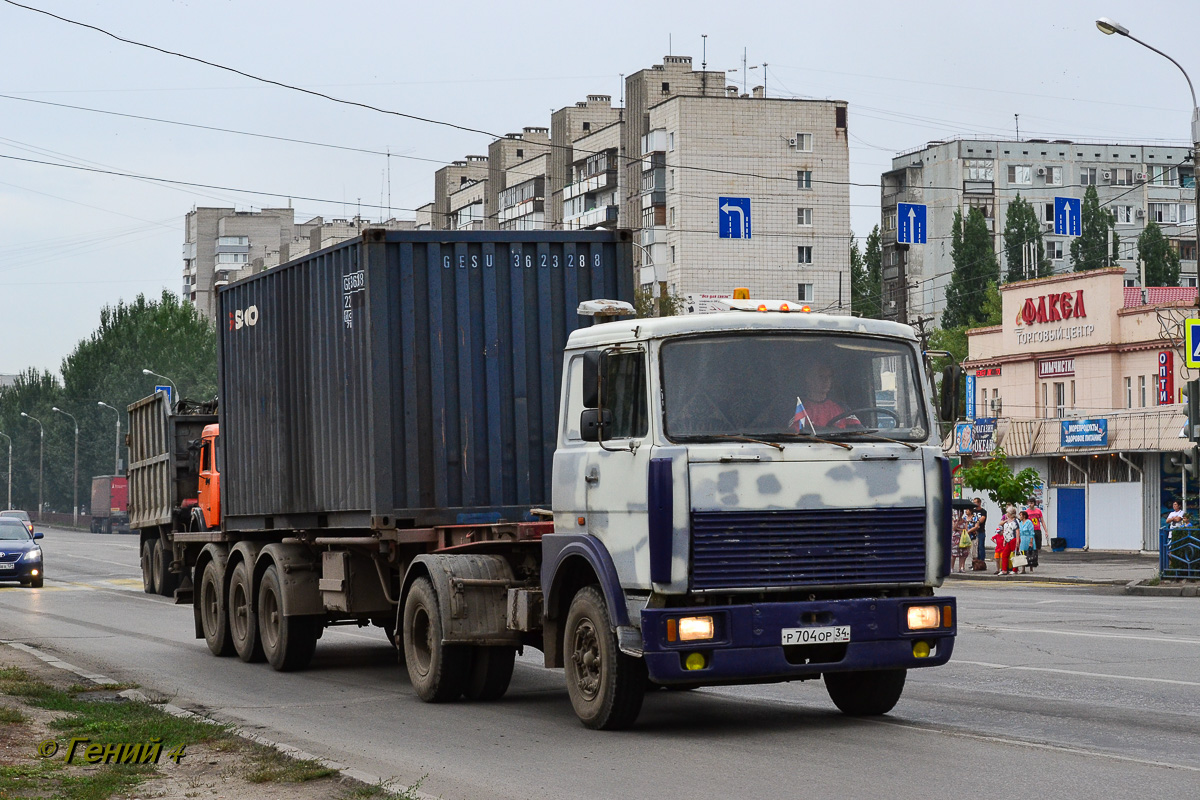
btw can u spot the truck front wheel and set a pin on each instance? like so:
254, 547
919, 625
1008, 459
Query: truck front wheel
606, 686
213, 619
865, 694
438, 671
288, 642
243, 625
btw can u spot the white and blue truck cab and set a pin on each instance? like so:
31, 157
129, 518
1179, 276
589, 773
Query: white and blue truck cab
757, 495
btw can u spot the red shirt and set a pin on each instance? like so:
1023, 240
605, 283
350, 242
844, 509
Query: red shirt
1035, 516
821, 413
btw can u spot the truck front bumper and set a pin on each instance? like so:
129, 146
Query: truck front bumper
748, 640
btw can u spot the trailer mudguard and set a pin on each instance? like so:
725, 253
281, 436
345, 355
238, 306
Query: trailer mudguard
472, 593
218, 554
299, 574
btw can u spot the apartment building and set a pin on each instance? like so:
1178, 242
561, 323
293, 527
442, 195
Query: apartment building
567, 127
1136, 182
592, 198
504, 155
466, 206
448, 180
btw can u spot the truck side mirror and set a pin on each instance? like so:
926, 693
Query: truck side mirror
594, 362
950, 399
592, 423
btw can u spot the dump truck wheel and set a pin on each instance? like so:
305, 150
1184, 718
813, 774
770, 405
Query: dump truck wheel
243, 623
606, 686
287, 642
490, 673
438, 671
148, 547
165, 581
865, 694
213, 618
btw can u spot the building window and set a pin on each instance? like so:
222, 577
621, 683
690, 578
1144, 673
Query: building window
1164, 176
1128, 392
1164, 212
1141, 391
1045, 402
520, 153
671, 140
804, 292
666, 87
997, 406
1020, 173
804, 142
233, 241
889, 221
804, 179
986, 205
804, 216
672, 177
672, 216
1054, 250
587, 126
1123, 177
978, 169
1187, 251
1054, 176
804, 254
1123, 215
1048, 213
1060, 400
672, 254
1087, 176
233, 258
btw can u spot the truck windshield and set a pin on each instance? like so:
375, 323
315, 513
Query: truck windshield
773, 386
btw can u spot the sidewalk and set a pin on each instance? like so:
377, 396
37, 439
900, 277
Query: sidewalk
1131, 570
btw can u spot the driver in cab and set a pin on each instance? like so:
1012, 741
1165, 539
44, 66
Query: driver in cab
815, 408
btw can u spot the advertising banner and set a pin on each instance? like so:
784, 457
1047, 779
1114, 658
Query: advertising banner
1084, 433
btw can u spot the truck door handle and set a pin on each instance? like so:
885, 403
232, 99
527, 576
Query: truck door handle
593, 475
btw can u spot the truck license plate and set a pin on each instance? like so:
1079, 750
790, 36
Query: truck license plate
8, 566
831, 635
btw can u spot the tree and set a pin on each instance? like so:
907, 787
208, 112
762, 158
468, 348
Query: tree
35, 393
1161, 260
975, 267
996, 477
1090, 250
1022, 227
866, 277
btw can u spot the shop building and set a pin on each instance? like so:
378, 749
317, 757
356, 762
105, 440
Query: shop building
1082, 383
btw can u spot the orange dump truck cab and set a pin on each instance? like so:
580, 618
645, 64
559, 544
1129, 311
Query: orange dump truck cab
209, 495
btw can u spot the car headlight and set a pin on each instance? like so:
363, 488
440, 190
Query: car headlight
33, 555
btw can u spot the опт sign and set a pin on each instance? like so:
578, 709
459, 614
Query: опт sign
1166, 377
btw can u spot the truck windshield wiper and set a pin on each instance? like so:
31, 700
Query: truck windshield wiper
742, 438
871, 434
811, 437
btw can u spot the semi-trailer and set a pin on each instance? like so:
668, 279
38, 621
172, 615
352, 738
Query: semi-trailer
453, 437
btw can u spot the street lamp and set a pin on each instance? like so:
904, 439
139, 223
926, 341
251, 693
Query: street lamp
174, 390
75, 482
1109, 27
6, 436
117, 443
41, 454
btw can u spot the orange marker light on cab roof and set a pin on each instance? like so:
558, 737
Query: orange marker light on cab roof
806, 309
741, 293
762, 306
784, 307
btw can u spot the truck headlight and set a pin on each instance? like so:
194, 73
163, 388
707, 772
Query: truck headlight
922, 618
32, 555
696, 629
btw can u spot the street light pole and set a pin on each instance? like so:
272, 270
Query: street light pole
41, 460
75, 482
6, 436
1108, 27
174, 388
117, 443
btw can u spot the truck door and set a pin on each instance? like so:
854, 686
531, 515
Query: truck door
210, 483
616, 470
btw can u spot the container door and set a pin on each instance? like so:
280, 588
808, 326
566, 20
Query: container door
1072, 517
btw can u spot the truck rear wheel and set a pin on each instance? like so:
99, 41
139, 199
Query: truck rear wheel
866, 694
243, 623
213, 618
165, 581
606, 686
438, 671
490, 673
148, 548
288, 642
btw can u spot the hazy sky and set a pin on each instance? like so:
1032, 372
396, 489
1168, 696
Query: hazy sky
73, 241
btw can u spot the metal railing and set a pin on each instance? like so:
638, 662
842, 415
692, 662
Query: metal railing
1179, 553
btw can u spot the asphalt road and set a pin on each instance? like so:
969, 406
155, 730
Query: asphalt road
1070, 691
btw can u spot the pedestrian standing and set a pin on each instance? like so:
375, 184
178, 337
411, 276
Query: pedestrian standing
962, 544
1039, 523
1007, 544
980, 528
1028, 537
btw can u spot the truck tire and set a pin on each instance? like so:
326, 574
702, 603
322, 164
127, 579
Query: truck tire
243, 623
148, 558
214, 620
490, 673
606, 686
438, 671
865, 694
165, 581
287, 642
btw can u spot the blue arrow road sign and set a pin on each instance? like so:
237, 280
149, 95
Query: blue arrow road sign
734, 218
1191, 343
166, 389
1068, 216
910, 223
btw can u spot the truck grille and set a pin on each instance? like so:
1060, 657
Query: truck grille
827, 547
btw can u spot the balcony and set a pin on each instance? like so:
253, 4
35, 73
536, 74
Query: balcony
532, 206
655, 141
596, 183
602, 215
189, 251
657, 197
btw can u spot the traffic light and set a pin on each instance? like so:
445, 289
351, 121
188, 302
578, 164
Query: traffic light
1191, 410
950, 399
1190, 462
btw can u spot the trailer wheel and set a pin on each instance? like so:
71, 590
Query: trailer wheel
243, 624
287, 642
148, 548
490, 673
865, 694
438, 671
213, 618
165, 581
606, 686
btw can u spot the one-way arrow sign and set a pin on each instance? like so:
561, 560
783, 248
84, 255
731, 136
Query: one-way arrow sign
910, 223
1068, 216
734, 220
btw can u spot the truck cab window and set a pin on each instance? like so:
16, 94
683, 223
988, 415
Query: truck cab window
625, 394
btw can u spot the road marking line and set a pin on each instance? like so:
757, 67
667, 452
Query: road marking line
985, 627
57, 662
124, 564
1058, 748
1076, 672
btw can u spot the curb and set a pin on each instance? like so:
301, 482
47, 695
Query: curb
1033, 578
1169, 590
